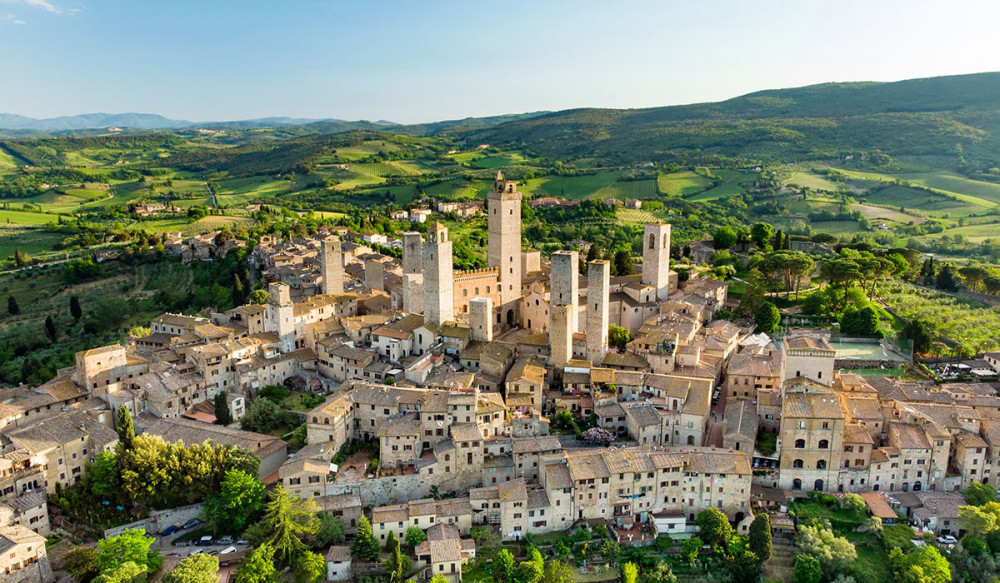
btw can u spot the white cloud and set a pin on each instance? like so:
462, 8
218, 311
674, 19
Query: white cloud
43, 4
12, 19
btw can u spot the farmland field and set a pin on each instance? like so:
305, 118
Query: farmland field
382, 169
877, 212
30, 241
929, 203
811, 180
458, 189
963, 321
836, 227
730, 186
637, 216
24, 218
572, 187
683, 183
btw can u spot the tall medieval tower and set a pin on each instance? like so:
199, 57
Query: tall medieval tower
281, 314
332, 266
503, 206
564, 284
598, 314
656, 258
439, 277
413, 273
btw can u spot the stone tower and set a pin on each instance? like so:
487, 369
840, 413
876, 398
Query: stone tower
281, 314
598, 319
375, 274
411, 252
332, 266
560, 336
481, 319
439, 295
656, 258
503, 206
564, 284
413, 273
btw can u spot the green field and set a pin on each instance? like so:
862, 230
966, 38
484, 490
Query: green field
811, 180
578, 187
458, 189
637, 216
684, 183
382, 169
876, 212
9, 217
731, 185
30, 241
367, 150
836, 227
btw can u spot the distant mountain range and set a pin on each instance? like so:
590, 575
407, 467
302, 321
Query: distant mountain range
149, 121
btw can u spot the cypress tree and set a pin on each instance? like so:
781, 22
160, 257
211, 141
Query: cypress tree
126, 432
74, 308
222, 416
12, 308
50, 328
364, 546
760, 537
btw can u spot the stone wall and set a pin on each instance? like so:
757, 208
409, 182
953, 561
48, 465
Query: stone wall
159, 520
382, 491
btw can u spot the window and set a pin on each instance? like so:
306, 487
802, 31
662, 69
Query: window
821, 465
800, 444
824, 444
797, 464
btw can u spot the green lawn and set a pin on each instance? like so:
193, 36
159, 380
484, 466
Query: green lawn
804, 178
30, 241
684, 183
9, 217
576, 187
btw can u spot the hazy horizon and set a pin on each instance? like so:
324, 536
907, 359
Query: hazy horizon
413, 63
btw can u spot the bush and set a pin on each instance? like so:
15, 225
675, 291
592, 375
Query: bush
275, 393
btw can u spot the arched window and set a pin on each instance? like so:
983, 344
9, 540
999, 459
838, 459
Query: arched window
652, 241
824, 444
800, 444
797, 464
818, 485
821, 465
737, 446
665, 243
690, 440
796, 484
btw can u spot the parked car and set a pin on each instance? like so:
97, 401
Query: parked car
182, 543
195, 552
947, 539
169, 530
227, 550
226, 540
190, 524
243, 541
212, 552
204, 541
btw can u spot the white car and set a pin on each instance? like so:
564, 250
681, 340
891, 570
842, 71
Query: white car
227, 550
947, 539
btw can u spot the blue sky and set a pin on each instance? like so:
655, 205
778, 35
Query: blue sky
412, 61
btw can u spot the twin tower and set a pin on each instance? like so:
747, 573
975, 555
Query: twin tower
429, 277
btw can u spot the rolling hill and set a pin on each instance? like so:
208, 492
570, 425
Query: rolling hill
956, 118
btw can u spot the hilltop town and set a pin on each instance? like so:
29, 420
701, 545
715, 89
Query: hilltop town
446, 401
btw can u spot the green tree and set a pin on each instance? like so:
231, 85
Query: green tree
619, 337
240, 496
104, 474
258, 566
924, 565
50, 328
12, 308
760, 537
807, 569
761, 234
533, 569
414, 536
391, 543
310, 567
396, 564
920, 333
258, 297
724, 238
557, 571
200, 568
438, 579
978, 494
744, 567
74, 308
365, 546
131, 546
81, 563
947, 278
978, 519
853, 503
767, 318
611, 551
690, 549
623, 264
714, 527
630, 573
262, 416
127, 572
503, 566
222, 415
835, 554
126, 432
289, 518
661, 573
331, 530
